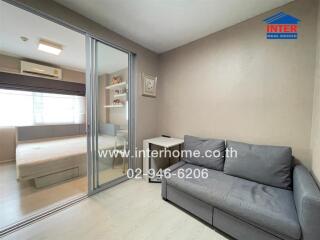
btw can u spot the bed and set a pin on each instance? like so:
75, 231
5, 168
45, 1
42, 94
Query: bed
44, 154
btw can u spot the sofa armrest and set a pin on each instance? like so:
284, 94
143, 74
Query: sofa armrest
307, 200
164, 180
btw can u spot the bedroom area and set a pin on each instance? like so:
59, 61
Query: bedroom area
44, 109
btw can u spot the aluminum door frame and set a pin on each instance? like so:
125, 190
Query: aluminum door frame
92, 93
131, 125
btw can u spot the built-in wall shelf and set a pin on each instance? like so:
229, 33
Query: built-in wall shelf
116, 85
120, 95
114, 106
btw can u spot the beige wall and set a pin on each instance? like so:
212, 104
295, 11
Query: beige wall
7, 135
232, 84
235, 84
9, 64
12, 65
7, 144
73, 76
145, 61
315, 135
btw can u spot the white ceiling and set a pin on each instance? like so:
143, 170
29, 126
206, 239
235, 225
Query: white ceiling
161, 25
110, 60
15, 22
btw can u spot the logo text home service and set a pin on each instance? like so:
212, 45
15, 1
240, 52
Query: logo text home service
282, 26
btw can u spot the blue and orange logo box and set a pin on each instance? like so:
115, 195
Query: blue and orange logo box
282, 26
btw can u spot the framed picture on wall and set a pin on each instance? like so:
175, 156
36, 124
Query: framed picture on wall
149, 85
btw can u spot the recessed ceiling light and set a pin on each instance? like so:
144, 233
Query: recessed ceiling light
49, 47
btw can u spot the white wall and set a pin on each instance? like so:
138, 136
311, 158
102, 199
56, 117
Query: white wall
235, 84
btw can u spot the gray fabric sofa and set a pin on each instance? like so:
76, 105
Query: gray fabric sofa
266, 199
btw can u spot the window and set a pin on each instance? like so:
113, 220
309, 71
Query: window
22, 108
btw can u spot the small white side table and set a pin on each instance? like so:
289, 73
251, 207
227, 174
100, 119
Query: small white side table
165, 142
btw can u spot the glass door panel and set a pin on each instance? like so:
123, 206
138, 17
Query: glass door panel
112, 116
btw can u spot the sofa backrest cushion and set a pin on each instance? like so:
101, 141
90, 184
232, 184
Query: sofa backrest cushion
206, 152
270, 165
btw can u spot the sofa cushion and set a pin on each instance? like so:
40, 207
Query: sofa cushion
270, 165
307, 200
210, 152
269, 208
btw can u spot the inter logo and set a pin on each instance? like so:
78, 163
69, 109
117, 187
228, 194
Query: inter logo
282, 26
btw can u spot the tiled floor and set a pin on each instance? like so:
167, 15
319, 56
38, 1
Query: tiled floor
131, 210
21, 199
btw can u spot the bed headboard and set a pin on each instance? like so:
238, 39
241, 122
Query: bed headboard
49, 131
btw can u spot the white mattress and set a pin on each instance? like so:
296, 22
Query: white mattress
41, 158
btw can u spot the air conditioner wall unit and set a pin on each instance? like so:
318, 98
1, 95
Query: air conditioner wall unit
34, 69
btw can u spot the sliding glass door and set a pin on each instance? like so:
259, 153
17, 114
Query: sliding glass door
53, 98
43, 153
109, 78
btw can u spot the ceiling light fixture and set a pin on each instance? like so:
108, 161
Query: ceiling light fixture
49, 47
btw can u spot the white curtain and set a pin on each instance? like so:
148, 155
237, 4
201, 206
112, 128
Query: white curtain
22, 108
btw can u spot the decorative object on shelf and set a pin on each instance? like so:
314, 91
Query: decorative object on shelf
117, 101
120, 91
116, 80
149, 85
